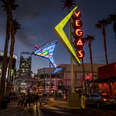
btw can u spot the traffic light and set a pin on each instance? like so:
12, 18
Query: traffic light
77, 34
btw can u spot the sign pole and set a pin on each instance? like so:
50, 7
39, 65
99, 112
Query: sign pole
71, 60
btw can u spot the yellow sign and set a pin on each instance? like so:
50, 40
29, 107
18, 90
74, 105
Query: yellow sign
59, 30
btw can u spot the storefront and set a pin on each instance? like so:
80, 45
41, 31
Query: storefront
107, 79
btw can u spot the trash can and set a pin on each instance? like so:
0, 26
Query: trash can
4, 103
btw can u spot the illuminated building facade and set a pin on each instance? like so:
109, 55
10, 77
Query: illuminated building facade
25, 67
107, 79
49, 80
78, 74
65, 74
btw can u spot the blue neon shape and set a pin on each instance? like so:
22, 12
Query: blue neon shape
47, 52
57, 70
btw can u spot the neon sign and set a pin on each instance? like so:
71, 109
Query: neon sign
78, 43
77, 34
77, 23
62, 35
80, 53
46, 52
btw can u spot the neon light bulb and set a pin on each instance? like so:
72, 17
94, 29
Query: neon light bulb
77, 14
79, 42
80, 54
78, 32
44, 53
78, 23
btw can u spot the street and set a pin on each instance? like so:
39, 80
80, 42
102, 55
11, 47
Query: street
86, 112
53, 109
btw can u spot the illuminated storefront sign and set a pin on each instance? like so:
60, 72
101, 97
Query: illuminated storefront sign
59, 30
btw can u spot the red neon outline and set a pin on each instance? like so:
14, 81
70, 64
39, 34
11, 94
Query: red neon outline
78, 32
79, 42
77, 14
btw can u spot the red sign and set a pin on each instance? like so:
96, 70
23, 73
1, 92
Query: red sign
78, 23
89, 77
77, 14
80, 53
77, 34
107, 71
78, 43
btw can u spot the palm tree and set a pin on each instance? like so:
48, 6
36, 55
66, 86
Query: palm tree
83, 69
15, 26
69, 4
112, 18
89, 40
102, 25
8, 6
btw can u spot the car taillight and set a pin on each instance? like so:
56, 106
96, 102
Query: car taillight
104, 99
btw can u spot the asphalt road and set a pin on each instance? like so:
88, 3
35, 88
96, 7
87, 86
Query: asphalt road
86, 112
13, 110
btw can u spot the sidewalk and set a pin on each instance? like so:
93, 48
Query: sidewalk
13, 110
63, 107
58, 104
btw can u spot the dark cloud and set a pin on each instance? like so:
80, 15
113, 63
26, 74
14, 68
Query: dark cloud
2, 25
31, 9
26, 38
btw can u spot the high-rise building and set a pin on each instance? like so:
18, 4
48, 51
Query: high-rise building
25, 67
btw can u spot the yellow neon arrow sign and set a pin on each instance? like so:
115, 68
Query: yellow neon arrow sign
59, 30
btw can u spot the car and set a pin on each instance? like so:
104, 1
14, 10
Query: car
93, 99
108, 99
99, 100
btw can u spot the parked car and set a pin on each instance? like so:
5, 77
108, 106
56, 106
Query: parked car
99, 100
108, 99
93, 99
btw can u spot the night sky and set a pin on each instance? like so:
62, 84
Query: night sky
38, 19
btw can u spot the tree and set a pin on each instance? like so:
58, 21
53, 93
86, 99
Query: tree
8, 6
15, 26
89, 40
83, 80
112, 18
102, 25
68, 4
